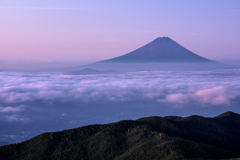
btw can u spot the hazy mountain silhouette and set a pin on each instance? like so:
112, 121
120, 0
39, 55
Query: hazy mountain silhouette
170, 137
92, 71
162, 49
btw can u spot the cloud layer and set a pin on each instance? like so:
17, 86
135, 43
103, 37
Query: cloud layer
59, 101
157, 86
204, 88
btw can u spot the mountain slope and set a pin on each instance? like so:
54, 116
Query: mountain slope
162, 49
3, 143
193, 137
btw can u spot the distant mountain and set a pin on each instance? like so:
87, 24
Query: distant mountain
92, 71
162, 49
170, 137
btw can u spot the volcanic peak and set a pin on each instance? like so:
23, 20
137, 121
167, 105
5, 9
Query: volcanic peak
162, 49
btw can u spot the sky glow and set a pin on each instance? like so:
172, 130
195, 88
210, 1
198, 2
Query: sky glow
97, 30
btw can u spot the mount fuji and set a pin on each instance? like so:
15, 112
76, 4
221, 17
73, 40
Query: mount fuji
162, 49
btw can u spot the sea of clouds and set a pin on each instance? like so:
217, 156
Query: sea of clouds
31, 101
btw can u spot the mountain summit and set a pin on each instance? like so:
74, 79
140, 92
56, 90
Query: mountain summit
162, 49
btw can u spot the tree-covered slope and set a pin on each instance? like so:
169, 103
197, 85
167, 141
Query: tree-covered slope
169, 137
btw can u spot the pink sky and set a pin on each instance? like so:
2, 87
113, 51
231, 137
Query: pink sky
93, 30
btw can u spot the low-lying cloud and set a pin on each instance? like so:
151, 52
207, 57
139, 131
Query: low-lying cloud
216, 95
168, 87
56, 101
213, 95
176, 98
201, 87
10, 109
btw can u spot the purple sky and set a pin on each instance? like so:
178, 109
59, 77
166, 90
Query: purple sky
95, 30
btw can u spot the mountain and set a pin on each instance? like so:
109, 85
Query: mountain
170, 137
3, 143
162, 49
92, 71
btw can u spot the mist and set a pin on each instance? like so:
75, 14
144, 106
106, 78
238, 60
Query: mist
35, 102
39, 65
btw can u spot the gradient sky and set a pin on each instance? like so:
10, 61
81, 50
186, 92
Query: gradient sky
97, 30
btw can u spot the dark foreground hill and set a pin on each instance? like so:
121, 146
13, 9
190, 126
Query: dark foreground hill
193, 137
3, 143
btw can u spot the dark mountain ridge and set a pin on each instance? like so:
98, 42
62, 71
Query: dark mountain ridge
170, 137
162, 49
3, 143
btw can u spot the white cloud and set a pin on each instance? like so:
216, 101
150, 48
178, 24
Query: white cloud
10, 109
177, 98
206, 87
215, 96
14, 118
